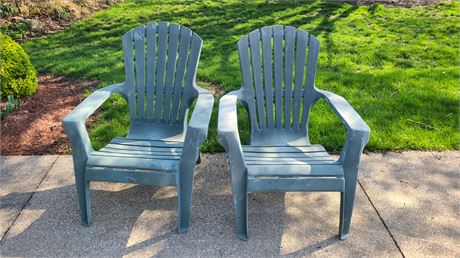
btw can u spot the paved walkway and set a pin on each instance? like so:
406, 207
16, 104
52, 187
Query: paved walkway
406, 205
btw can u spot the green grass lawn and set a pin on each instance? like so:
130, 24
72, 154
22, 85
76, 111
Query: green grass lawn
398, 67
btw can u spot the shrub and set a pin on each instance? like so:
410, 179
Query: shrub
17, 75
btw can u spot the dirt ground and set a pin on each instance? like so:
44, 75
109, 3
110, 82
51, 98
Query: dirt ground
47, 17
35, 128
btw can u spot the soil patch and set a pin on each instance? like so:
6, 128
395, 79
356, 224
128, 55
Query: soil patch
26, 19
36, 127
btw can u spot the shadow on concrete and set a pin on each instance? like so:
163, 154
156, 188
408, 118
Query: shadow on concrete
138, 220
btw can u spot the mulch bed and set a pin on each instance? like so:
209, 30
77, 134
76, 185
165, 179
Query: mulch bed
36, 127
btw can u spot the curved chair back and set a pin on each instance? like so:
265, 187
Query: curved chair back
278, 66
161, 60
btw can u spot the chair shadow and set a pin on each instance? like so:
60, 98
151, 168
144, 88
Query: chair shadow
50, 225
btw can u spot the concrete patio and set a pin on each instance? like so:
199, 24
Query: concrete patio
406, 205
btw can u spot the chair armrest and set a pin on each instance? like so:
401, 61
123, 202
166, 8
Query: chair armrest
93, 102
357, 130
350, 118
228, 134
197, 129
74, 122
199, 122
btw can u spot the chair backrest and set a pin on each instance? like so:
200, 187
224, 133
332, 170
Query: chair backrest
278, 77
161, 60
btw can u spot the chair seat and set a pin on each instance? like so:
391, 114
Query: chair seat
129, 154
290, 161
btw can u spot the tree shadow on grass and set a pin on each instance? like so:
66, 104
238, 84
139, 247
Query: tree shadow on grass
92, 47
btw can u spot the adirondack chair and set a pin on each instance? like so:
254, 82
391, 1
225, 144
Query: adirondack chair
278, 92
161, 60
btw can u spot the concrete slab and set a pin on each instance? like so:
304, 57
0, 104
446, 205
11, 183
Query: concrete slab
19, 177
141, 221
417, 194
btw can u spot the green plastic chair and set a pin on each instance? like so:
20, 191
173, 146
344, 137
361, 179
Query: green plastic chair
278, 92
161, 148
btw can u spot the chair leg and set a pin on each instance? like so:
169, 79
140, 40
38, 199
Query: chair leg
83, 192
240, 200
184, 193
198, 161
346, 209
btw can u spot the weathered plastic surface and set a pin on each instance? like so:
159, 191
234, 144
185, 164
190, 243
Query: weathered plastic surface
278, 65
161, 148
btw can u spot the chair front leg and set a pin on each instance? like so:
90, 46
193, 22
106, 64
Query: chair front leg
190, 155
82, 185
83, 193
351, 158
240, 201
230, 140
184, 193
196, 134
347, 201
239, 179
81, 149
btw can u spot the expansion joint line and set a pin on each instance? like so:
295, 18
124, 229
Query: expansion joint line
28, 200
381, 219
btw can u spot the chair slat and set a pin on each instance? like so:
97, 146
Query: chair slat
289, 41
184, 46
132, 163
135, 155
129, 71
324, 170
296, 184
171, 68
163, 178
285, 154
278, 149
288, 162
161, 63
195, 51
301, 51
254, 42
192, 65
267, 54
142, 148
270, 160
243, 49
313, 50
278, 34
150, 70
152, 143
139, 41
166, 153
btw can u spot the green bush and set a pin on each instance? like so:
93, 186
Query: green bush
17, 75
